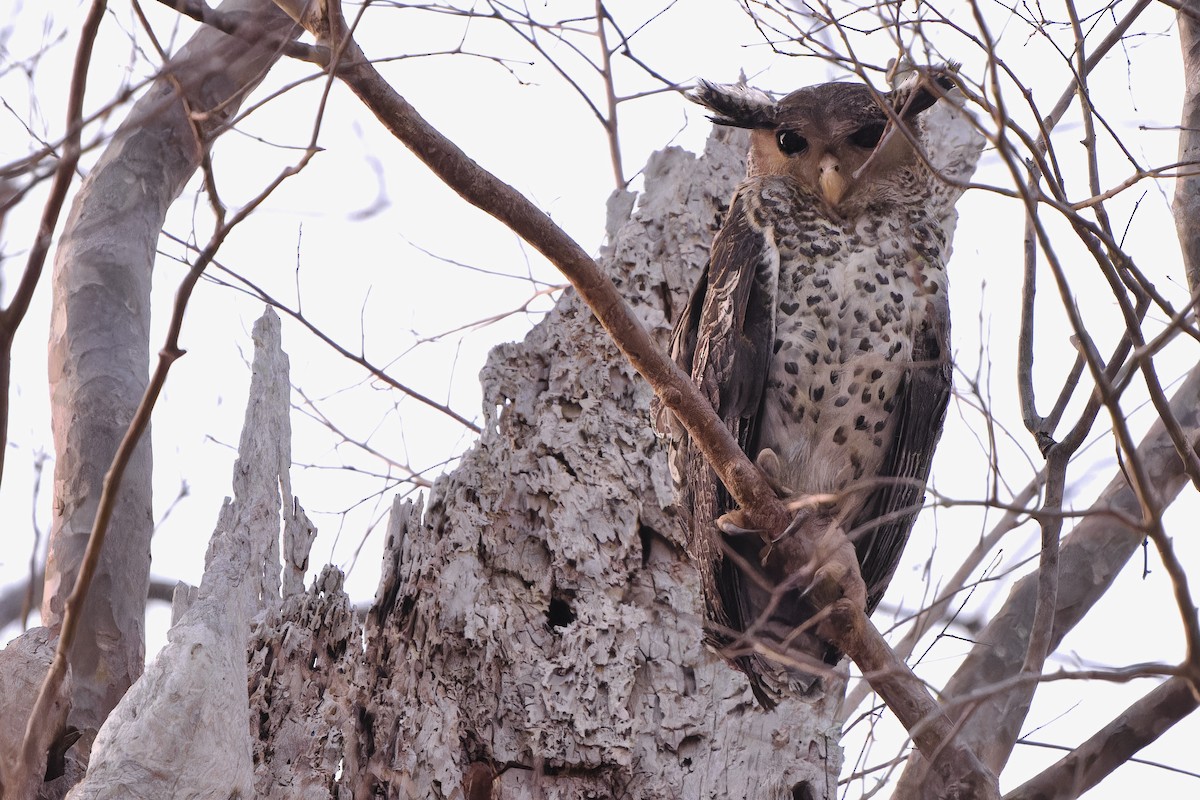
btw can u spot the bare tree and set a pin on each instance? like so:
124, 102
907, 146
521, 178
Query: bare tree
537, 627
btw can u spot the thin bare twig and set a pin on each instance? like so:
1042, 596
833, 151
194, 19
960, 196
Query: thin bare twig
610, 96
1043, 427
64, 173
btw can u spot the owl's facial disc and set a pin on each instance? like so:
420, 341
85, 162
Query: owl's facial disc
830, 180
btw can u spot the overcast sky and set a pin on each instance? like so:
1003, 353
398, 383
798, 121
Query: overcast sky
382, 257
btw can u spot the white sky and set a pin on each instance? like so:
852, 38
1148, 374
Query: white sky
350, 230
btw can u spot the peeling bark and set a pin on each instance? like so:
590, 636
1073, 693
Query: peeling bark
538, 628
23, 664
302, 659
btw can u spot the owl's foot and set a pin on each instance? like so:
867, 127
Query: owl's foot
812, 554
739, 522
824, 562
823, 565
752, 522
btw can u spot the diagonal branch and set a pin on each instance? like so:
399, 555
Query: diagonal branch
488, 193
19, 772
1113, 745
1091, 557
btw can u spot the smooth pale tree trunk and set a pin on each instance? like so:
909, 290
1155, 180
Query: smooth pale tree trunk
99, 347
1186, 203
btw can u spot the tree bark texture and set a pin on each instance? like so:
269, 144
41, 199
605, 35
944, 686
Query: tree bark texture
181, 730
23, 664
99, 345
538, 628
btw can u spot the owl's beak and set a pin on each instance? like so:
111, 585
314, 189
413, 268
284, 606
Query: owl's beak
829, 178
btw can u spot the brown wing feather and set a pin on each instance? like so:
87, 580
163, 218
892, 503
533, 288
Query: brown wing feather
881, 529
723, 339
736, 322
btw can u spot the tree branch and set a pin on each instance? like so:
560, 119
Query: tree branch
1043, 427
1113, 745
1091, 557
244, 28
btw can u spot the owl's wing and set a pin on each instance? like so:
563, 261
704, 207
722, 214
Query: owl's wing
732, 321
881, 528
723, 339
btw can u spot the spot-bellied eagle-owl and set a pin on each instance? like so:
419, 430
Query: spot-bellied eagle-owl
820, 333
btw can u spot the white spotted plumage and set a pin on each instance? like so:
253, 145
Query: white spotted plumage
820, 333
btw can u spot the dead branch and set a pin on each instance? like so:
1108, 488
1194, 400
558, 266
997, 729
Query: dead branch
1113, 745
1091, 557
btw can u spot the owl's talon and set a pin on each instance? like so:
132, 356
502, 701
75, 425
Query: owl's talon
826, 584
771, 466
743, 522
737, 523
830, 558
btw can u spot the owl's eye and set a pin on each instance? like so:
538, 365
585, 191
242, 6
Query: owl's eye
791, 143
868, 135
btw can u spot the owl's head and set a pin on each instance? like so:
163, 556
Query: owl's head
835, 139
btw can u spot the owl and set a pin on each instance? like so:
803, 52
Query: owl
819, 331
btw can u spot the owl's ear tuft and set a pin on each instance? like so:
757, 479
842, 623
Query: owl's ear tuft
735, 104
921, 89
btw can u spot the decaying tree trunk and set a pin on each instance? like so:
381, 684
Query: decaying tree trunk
181, 730
539, 626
